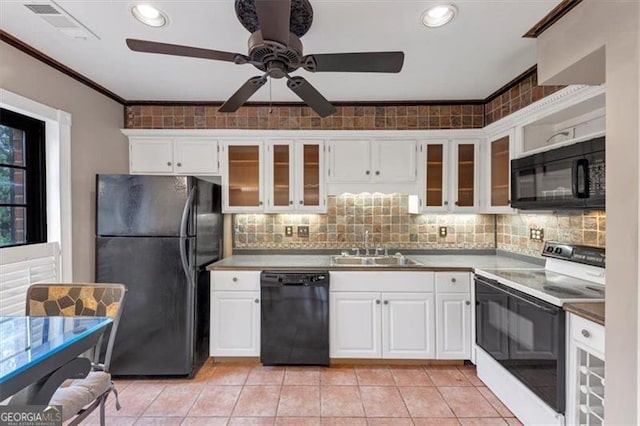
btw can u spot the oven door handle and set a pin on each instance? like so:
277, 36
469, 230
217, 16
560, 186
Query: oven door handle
492, 284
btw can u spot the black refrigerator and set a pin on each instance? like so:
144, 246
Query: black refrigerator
156, 235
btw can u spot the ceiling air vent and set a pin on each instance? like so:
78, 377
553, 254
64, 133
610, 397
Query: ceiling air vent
62, 21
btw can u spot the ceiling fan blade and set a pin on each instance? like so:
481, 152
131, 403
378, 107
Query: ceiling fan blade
243, 94
355, 62
311, 96
274, 16
177, 50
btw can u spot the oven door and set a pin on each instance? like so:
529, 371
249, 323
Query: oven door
525, 335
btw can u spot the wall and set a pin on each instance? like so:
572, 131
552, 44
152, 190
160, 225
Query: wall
564, 51
97, 146
350, 215
512, 231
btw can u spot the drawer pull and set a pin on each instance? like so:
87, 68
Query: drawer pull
467, 302
234, 279
585, 333
168, 163
377, 301
453, 280
386, 302
256, 301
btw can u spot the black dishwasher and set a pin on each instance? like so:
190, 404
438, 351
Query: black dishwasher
294, 318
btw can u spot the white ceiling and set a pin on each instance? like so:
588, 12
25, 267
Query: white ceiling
481, 50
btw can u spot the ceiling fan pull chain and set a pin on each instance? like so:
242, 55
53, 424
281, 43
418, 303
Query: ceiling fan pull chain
270, 100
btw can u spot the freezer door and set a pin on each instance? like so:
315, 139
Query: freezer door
208, 223
128, 205
155, 335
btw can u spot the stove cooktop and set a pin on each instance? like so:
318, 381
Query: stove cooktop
552, 287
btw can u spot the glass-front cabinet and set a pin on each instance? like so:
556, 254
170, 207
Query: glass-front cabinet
435, 172
498, 155
309, 176
280, 175
465, 175
243, 177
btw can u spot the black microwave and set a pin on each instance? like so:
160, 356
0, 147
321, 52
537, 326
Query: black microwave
570, 177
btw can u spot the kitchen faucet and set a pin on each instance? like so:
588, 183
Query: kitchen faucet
366, 242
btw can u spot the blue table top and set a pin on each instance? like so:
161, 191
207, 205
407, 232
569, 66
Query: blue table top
26, 341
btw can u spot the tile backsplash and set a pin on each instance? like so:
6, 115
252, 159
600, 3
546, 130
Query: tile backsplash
586, 228
348, 216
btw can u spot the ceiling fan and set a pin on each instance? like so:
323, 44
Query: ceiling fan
275, 48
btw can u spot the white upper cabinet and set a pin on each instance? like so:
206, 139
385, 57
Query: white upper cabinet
173, 156
310, 192
449, 176
372, 161
242, 180
350, 160
279, 177
496, 172
465, 176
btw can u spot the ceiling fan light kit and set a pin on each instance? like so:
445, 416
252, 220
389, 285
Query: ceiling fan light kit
149, 15
275, 49
438, 15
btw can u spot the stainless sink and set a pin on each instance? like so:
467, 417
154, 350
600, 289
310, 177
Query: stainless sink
372, 261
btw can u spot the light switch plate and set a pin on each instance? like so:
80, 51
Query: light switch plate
288, 231
303, 231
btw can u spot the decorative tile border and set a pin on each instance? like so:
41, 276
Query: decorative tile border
586, 228
515, 96
357, 117
349, 216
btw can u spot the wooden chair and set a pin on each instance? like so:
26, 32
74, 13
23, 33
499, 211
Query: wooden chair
80, 397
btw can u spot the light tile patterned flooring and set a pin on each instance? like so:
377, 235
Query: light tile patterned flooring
236, 394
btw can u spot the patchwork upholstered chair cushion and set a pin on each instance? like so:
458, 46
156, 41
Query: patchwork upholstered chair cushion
81, 396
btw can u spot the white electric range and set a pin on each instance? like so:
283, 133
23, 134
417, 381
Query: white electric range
520, 327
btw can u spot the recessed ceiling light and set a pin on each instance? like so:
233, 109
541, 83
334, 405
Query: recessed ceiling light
437, 16
149, 15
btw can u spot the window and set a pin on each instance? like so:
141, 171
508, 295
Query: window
23, 216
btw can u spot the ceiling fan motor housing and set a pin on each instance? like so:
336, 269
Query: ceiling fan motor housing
275, 58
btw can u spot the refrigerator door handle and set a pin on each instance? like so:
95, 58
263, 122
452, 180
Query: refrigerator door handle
184, 238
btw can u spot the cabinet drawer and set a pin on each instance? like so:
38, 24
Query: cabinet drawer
396, 281
587, 333
235, 280
453, 282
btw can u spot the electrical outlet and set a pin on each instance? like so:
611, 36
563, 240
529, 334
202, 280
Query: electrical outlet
288, 231
536, 234
442, 231
303, 231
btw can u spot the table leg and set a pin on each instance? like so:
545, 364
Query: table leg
40, 392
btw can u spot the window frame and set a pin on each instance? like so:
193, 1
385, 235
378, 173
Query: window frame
35, 181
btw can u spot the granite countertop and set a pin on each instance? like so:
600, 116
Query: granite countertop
593, 311
436, 262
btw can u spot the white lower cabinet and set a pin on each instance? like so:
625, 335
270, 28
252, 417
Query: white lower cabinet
585, 372
235, 313
408, 329
453, 315
354, 320
453, 323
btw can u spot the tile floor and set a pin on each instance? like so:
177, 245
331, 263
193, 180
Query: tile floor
232, 394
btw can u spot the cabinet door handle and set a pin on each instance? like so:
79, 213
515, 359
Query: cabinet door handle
585, 333
386, 302
291, 202
456, 203
453, 280
301, 202
179, 164
259, 203
256, 301
168, 163
377, 172
377, 301
446, 203
367, 172
234, 279
467, 302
